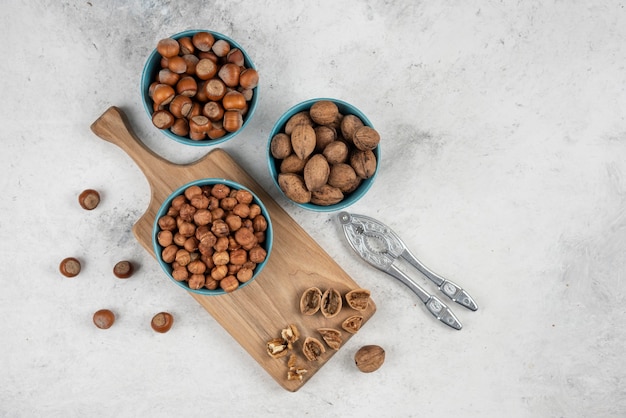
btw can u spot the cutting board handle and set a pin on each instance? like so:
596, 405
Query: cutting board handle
113, 126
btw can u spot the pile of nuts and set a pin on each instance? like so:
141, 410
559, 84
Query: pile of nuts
212, 236
203, 88
329, 303
323, 155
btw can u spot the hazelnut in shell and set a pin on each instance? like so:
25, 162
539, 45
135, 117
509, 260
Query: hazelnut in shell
70, 267
162, 322
103, 319
89, 199
123, 269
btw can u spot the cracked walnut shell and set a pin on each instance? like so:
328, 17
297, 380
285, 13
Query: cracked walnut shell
312, 349
331, 303
310, 301
331, 336
352, 324
358, 299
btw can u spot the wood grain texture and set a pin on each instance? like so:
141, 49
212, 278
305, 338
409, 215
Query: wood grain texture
256, 313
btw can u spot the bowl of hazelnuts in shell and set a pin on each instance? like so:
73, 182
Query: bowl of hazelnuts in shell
323, 154
212, 236
199, 87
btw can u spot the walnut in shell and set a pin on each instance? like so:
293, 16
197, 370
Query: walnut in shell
280, 146
303, 140
331, 303
292, 164
326, 195
358, 299
366, 138
294, 188
332, 337
316, 172
298, 119
312, 349
349, 125
369, 358
324, 135
310, 301
323, 112
352, 324
363, 163
343, 177
336, 152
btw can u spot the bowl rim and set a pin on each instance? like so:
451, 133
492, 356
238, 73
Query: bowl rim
271, 161
147, 76
157, 248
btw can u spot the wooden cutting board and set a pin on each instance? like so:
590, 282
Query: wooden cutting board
257, 312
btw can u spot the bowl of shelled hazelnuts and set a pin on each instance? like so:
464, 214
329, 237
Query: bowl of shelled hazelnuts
199, 87
212, 236
323, 154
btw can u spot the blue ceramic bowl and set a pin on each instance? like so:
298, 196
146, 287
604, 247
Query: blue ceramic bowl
274, 164
151, 69
167, 268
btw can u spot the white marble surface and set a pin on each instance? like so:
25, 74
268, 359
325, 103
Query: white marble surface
504, 168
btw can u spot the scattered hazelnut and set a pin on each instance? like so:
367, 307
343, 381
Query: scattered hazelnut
123, 269
69, 267
369, 358
89, 199
103, 318
162, 322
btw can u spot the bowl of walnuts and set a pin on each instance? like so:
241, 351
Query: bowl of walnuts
212, 236
199, 87
323, 154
